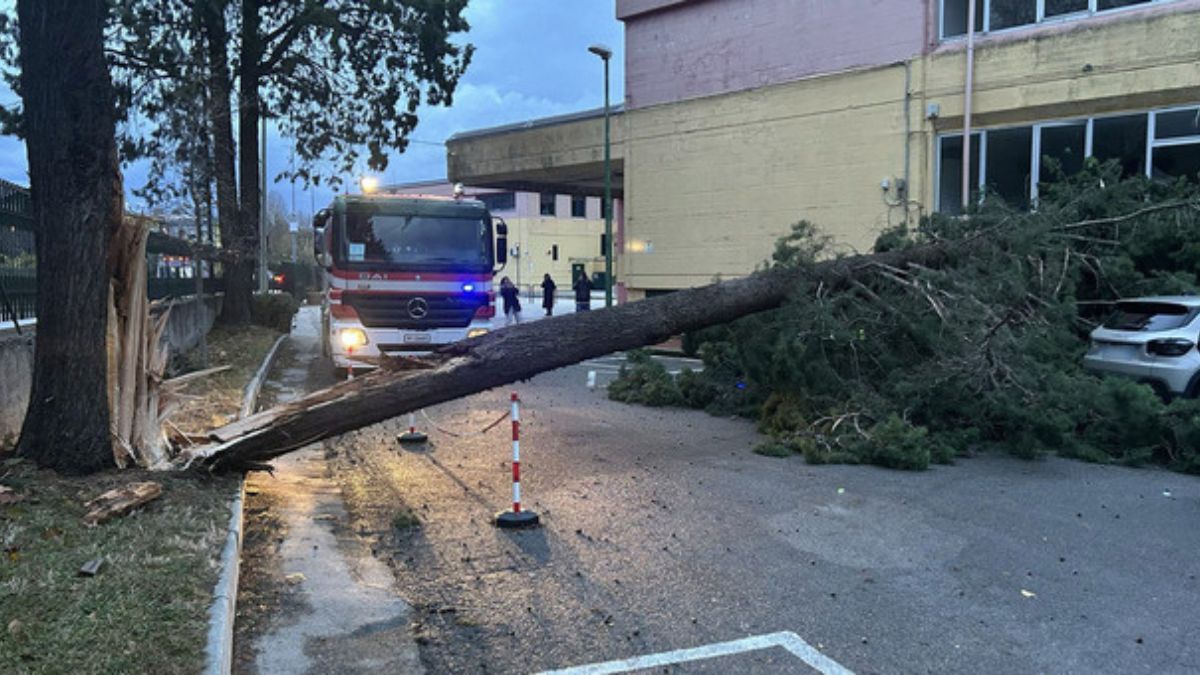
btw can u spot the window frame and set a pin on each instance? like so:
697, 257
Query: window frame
1035, 154
553, 213
579, 199
510, 203
1093, 9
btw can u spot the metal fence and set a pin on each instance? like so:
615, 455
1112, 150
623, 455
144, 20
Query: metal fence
18, 260
18, 275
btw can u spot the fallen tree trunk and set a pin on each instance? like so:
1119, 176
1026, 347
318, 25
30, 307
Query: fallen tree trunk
520, 352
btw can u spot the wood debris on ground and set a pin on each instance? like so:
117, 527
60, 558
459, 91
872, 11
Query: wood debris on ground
120, 501
8, 496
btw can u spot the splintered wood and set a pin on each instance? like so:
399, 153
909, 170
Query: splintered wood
120, 501
137, 356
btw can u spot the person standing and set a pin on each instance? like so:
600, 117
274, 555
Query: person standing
583, 293
511, 296
548, 288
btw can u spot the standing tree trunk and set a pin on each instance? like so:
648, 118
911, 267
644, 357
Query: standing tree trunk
236, 307
69, 124
239, 279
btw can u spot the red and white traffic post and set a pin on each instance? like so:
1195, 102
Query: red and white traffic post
516, 517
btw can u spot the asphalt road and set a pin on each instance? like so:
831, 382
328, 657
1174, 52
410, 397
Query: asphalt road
663, 531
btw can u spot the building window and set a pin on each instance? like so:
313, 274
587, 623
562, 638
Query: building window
1175, 150
950, 172
554, 252
1121, 138
1008, 166
603, 209
996, 15
546, 205
1161, 144
1061, 148
499, 201
578, 206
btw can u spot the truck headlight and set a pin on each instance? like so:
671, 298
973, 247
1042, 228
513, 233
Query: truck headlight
476, 332
353, 337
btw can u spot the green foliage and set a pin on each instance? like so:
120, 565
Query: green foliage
645, 381
18, 261
274, 310
906, 366
696, 390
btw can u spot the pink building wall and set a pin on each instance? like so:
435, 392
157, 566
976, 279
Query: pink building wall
681, 49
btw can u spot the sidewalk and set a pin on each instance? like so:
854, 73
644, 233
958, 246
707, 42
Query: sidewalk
339, 610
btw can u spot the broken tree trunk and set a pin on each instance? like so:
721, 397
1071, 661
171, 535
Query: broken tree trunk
137, 358
520, 352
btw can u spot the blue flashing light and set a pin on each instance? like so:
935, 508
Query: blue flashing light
468, 288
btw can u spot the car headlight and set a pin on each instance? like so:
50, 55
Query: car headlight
476, 332
353, 337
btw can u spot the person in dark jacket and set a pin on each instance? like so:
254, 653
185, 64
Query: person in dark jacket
511, 295
583, 293
548, 288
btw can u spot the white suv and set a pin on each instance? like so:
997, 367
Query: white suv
1153, 340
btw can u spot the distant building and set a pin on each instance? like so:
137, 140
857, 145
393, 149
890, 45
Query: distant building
744, 116
549, 233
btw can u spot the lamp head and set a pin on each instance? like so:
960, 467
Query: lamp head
601, 51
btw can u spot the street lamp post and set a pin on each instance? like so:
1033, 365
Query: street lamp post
605, 54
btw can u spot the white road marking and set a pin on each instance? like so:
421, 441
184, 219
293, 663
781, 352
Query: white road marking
787, 640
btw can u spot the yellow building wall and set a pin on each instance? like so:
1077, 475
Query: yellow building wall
578, 240
712, 183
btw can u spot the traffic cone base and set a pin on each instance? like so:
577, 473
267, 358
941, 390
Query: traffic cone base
412, 437
514, 520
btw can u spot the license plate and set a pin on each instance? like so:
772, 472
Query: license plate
418, 338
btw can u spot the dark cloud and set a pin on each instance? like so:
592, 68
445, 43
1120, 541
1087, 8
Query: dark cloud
531, 61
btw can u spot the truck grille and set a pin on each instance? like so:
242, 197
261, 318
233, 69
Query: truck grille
394, 310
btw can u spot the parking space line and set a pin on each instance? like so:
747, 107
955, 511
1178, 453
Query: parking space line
787, 640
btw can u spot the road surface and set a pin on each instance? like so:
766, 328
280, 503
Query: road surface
663, 531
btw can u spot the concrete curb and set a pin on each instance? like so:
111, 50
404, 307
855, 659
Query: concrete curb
254, 386
218, 653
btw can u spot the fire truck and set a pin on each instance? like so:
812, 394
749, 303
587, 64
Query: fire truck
405, 274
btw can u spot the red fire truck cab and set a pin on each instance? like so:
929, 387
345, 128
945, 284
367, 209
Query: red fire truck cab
405, 274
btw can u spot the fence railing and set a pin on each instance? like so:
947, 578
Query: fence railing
18, 268
20, 291
158, 289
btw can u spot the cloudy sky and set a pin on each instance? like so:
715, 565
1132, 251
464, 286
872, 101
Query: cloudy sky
530, 61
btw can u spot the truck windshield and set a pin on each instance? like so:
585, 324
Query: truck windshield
390, 240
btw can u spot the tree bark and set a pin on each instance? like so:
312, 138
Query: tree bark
239, 278
220, 92
69, 123
520, 352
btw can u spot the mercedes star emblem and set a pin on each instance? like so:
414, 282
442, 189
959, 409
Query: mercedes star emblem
418, 308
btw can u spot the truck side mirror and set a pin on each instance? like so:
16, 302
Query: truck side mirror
501, 242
